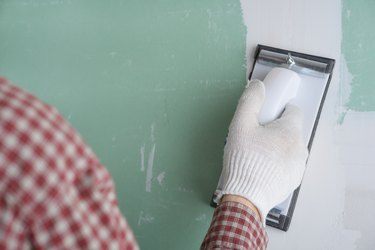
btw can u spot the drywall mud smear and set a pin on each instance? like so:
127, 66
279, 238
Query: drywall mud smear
312, 27
355, 141
356, 134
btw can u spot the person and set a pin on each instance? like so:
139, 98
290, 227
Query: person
55, 193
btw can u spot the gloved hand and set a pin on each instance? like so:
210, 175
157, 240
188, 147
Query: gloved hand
263, 163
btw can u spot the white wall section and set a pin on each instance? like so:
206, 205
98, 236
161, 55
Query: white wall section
340, 173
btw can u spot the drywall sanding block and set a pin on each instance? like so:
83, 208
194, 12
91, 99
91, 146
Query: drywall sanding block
312, 74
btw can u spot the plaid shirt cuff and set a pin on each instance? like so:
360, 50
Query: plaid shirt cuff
235, 226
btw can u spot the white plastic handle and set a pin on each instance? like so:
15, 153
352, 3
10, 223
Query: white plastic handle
281, 86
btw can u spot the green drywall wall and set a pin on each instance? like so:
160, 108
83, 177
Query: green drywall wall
358, 48
130, 75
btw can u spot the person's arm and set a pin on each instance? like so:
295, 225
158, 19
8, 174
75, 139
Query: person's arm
236, 224
262, 165
243, 201
55, 194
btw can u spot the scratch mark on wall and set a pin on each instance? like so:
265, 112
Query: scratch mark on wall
201, 217
152, 132
345, 89
144, 218
150, 162
185, 190
142, 151
150, 166
160, 178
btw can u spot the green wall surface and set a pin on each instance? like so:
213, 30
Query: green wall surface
358, 47
150, 85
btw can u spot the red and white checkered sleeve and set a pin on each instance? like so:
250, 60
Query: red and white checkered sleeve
235, 226
54, 193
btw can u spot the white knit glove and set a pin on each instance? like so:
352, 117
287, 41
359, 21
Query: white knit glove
263, 163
